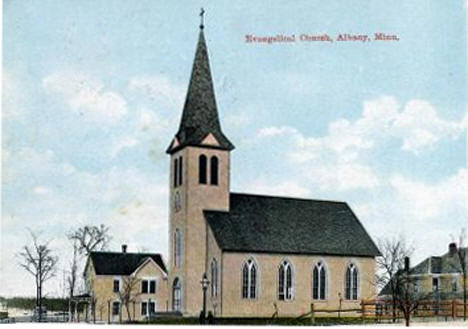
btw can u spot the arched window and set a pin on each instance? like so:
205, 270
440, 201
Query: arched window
176, 171
285, 281
249, 280
214, 278
176, 295
352, 282
177, 248
202, 169
214, 170
181, 166
319, 281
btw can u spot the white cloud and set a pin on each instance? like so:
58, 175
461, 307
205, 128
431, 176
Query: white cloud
40, 190
149, 121
237, 119
330, 162
285, 188
276, 131
424, 201
87, 96
160, 90
339, 159
123, 143
420, 127
12, 105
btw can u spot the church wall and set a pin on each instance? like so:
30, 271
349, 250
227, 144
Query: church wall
263, 306
214, 252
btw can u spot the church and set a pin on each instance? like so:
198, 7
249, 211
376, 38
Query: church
262, 255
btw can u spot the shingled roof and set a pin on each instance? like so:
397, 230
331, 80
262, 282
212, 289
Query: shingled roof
266, 224
200, 114
120, 263
447, 263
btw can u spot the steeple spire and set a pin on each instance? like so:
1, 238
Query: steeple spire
200, 114
202, 18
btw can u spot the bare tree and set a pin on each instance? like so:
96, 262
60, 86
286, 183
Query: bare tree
462, 266
91, 238
129, 292
38, 260
390, 266
407, 294
85, 240
72, 278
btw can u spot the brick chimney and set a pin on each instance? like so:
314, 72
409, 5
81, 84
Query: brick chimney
124, 248
452, 248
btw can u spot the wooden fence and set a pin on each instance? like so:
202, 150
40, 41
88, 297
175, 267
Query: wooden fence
383, 310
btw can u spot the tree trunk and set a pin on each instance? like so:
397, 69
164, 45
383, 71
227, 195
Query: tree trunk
129, 317
464, 296
40, 288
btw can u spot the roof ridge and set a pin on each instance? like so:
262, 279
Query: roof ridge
126, 253
286, 197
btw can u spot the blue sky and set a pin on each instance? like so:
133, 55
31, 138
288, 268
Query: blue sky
93, 91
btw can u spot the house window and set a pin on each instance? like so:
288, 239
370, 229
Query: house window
214, 278
144, 308
285, 281
352, 282
152, 308
202, 169
454, 284
214, 170
152, 286
176, 295
416, 287
144, 286
177, 247
181, 166
116, 287
249, 280
115, 308
148, 286
435, 284
176, 172
319, 281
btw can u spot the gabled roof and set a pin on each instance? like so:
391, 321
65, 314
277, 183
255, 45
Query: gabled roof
267, 224
447, 263
200, 114
118, 263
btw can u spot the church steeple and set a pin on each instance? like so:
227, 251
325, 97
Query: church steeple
200, 114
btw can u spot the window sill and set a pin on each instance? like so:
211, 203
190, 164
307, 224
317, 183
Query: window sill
320, 300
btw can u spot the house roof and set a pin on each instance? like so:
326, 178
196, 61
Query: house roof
118, 263
267, 224
447, 263
200, 114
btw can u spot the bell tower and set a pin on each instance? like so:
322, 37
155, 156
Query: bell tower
199, 180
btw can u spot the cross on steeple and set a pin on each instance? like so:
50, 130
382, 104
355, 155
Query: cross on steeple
202, 18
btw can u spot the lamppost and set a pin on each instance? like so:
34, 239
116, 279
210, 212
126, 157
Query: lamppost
204, 282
